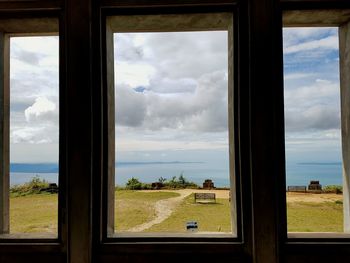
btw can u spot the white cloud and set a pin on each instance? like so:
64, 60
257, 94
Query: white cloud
298, 75
34, 99
331, 42
177, 55
204, 110
134, 75
41, 109
171, 91
294, 35
34, 135
313, 107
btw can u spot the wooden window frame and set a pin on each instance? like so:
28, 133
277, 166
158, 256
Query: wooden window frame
299, 247
260, 138
155, 23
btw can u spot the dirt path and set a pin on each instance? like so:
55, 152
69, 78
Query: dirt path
163, 208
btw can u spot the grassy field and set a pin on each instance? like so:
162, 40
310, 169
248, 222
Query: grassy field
206, 215
34, 213
38, 213
315, 217
133, 208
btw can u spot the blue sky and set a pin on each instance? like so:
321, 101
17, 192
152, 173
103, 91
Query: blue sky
312, 94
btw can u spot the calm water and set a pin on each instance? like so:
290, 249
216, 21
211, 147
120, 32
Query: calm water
20, 178
195, 172
297, 173
303, 173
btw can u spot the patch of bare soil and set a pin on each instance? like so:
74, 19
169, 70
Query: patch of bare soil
313, 198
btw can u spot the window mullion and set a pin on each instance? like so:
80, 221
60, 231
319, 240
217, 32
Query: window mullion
4, 135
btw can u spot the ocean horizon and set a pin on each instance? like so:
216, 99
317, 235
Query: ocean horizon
328, 173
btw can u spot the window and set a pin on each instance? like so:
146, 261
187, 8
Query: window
87, 112
173, 126
319, 101
30, 130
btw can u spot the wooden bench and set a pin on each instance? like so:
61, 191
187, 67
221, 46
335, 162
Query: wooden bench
205, 197
297, 188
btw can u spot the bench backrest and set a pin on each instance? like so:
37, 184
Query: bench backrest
296, 188
204, 195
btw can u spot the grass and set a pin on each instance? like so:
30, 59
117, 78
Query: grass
211, 217
133, 208
315, 217
34, 213
37, 213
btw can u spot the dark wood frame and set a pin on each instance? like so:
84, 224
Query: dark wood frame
109, 146
43, 247
259, 123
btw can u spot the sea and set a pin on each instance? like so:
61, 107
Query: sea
148, 172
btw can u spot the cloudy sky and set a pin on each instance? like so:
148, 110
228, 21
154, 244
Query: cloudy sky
312, 94
34, 99
171, 96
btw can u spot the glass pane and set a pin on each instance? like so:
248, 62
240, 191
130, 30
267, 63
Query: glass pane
313, 137
172, 145
34, 133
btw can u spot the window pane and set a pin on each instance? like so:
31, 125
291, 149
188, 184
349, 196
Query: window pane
172, 169
313, 137
34, 133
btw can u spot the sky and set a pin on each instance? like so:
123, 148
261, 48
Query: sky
171, 96
34, 99
312, 94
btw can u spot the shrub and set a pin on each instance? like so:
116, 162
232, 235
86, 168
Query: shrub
34, 186
146, 186
174, 183
181, 183
337, 189
133, 184
161, 180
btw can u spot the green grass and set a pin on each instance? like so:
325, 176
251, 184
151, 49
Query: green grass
35, 213
315, 217
211, 217
133, 208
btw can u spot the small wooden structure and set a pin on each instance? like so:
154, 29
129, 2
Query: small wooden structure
157, 185
314, 186
208, 184
211, 197
53, 188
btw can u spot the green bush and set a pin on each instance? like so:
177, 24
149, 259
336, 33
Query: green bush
174, 183
180, 183
34, 186
146, 186
133, 184
337, 189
